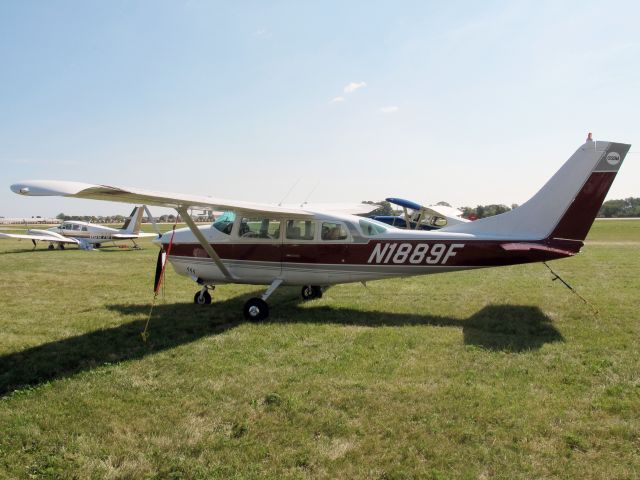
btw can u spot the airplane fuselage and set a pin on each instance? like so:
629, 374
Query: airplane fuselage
363, 255
94, 234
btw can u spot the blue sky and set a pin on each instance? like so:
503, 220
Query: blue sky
468, 102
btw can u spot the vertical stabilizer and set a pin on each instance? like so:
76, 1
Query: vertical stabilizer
133, 222
566, 206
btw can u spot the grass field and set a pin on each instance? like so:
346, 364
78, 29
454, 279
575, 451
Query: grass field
497, 373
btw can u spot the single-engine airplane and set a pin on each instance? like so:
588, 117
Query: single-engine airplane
86, 235
418, 217
267, 245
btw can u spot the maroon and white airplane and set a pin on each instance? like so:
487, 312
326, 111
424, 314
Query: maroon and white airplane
272, 245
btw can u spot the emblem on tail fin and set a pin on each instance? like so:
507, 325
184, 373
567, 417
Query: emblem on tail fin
613, 158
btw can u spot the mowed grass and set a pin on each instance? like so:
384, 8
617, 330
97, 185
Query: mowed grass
497, 373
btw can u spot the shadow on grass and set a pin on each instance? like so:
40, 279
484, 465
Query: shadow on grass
512, 328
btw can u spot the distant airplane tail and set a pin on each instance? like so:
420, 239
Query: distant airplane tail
132, 223
566, 206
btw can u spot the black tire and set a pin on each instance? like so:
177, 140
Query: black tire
203, 298
309, 292
98, 245
51, 247
255, 309
61, 246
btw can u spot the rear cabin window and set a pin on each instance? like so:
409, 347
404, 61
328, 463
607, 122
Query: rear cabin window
259, 228
300, 230
334, 231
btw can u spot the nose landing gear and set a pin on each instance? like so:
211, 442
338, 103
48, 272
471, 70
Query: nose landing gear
203, 297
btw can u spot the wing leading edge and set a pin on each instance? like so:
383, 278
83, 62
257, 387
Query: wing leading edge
40, 188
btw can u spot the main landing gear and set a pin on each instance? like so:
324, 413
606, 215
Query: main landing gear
309, 292
256, 308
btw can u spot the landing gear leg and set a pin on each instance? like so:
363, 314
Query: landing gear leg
257, 309
203, 297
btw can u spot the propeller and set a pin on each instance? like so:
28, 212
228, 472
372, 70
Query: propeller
160, 263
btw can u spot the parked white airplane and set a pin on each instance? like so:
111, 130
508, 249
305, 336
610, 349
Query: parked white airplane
266, 245
86, 235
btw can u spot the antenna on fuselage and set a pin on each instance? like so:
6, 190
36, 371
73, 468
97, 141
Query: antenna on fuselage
310, 193
290, 190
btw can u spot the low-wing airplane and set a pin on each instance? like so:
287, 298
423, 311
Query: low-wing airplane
418, 217
86, 235
267, 245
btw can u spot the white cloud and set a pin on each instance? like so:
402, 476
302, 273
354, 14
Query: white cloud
353, 86
262, 33
337, 100
389, 109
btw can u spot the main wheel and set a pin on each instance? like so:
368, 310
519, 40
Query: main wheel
202, 298
255, 309
309, 292
51, 247
61, 246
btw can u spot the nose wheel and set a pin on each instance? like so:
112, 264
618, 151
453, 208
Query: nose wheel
203, 297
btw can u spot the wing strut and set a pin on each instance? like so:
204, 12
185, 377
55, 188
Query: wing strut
203, 241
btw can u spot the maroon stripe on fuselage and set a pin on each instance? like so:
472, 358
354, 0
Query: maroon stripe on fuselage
467, 253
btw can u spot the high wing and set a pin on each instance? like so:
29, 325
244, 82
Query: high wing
338, 208
41, 238
149, 197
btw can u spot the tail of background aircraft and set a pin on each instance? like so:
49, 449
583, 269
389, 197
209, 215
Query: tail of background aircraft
567, 205
132, 223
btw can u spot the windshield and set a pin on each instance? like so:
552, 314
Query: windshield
371, 228
224, 222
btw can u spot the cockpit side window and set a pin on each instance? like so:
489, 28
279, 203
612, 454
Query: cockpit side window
259, 228
334, 231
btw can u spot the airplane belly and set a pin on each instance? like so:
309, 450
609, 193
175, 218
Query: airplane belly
249, 272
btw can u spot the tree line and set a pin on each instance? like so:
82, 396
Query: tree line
624, 208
